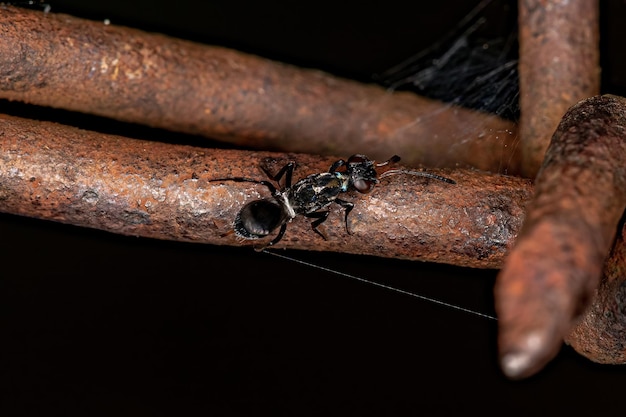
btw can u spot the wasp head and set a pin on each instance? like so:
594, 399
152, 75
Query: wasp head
362, 173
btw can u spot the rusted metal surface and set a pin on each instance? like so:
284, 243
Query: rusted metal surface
121, 73
559, 65
156, 190
555, 267
600, 335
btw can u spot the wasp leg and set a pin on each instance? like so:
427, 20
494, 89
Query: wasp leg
287, 171
347, 206
321, 217
336, 165
274, 241
279, 236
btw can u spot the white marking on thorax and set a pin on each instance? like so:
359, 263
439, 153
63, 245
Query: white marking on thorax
290, 211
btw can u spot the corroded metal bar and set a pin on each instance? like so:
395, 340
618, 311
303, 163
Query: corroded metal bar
157, 190
555, 267
125, 74
600, 335
559, 65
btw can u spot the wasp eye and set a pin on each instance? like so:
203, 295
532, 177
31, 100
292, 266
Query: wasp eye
363, 186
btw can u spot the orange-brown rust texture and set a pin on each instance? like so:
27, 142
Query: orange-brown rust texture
555, 267
125, 74
559, 65
600, 335
156, 190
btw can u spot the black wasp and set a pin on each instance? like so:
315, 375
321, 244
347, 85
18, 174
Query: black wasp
310, 196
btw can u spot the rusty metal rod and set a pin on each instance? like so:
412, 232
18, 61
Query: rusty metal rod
555, 267
141, 188
126, 74
559, 66
600, 335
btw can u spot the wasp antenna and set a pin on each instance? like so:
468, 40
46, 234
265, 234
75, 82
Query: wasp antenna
417, 174
391, 160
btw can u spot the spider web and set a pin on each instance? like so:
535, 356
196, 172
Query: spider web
473, 66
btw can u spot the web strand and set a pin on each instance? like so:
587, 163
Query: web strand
380, 285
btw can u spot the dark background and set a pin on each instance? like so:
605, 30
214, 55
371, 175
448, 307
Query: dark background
97, 324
